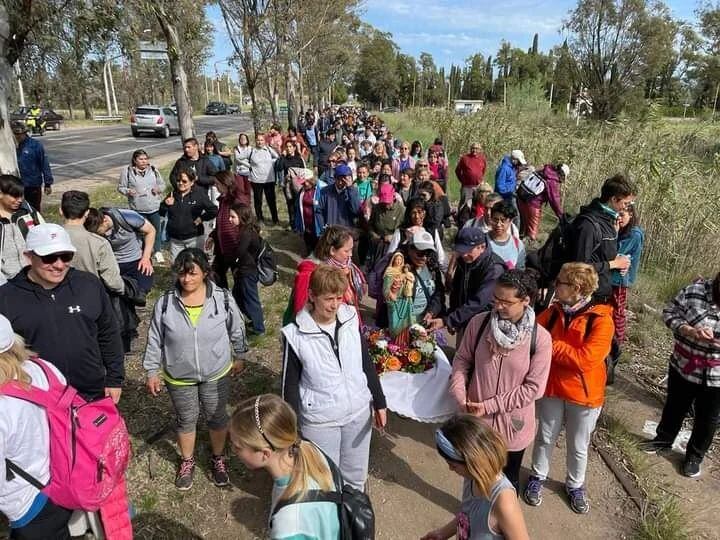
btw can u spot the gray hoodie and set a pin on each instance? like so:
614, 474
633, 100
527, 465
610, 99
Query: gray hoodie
144, 201
194, 353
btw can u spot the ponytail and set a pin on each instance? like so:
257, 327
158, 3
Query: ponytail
310, 464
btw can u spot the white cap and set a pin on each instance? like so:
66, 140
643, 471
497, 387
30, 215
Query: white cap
422, 240
518, 154
7, 336
565, 169
47, 238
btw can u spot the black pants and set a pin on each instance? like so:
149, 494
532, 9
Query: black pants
311, 241
220, 267
512, 468
33, 195
681, 393
50, 523
269, 190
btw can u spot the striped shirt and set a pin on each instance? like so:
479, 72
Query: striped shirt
697, 361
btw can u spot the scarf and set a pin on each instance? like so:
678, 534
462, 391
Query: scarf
357, 279
508, 334
570, 310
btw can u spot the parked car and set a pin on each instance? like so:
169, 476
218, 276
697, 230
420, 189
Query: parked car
52, 119
216, 107
154, 119
390, 110
173, 106
233, 108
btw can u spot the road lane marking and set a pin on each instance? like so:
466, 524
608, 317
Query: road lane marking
121, 139
64, 138
126, 152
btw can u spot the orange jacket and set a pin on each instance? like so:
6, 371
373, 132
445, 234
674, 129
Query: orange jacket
577, 370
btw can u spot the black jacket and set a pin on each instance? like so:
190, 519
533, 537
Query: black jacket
245, 256
24, 217
595, 243
203, 169
73, 326
472, 287
185, 211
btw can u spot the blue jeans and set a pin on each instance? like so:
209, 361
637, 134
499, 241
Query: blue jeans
154, 219
245, 292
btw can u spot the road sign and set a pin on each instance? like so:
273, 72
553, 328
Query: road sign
153, 55
153, 50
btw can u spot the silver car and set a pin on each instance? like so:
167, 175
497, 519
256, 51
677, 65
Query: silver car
161, 121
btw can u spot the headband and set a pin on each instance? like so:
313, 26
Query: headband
446, 448
259, 426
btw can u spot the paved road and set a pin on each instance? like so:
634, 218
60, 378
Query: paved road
86, 151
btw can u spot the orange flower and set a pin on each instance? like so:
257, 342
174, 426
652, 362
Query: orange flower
393, 364
414, 356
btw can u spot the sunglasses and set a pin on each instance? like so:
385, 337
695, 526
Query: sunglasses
65, 257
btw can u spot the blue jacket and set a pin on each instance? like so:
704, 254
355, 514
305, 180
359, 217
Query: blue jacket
338, 208
33, 164
505, 178
299, 224
631, 244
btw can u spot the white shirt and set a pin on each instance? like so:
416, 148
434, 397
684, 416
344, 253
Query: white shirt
24, 440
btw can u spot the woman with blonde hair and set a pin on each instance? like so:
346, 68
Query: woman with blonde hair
264, 435
25, 437
489, 509
582, 332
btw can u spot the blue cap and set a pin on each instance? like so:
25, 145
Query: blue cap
469, 238
342, 170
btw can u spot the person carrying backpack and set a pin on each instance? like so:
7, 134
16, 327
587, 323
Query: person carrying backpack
582, 331
595, 232
530, 205
502, 365
25, 440
195, 333
264, 435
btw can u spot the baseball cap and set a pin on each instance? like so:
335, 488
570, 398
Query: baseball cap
518, 154
7, 335
343, 170
469, 238
18, 126
47, 238
565, 169
422, 240
387, 194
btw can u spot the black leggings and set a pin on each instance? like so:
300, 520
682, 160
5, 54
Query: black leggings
512, 468
51, 522
268, 189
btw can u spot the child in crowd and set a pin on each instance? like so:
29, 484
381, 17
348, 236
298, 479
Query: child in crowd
489, 507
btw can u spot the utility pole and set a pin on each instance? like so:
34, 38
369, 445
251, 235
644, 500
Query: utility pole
20, 85
449, 87
107, 91
504, 93
227, 75
414, 81
717, 90
552, 87
112, 88
207, 92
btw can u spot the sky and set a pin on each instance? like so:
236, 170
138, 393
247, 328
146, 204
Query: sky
452, 31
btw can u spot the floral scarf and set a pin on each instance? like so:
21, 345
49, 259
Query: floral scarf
508, 334
357, 278
571, 310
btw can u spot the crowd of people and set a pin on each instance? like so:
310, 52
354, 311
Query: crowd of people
374, 218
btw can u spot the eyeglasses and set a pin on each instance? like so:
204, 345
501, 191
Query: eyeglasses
422, 252
332, 160
65, 257
504, 303
500, 220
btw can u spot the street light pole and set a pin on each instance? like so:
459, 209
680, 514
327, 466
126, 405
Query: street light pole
207, 92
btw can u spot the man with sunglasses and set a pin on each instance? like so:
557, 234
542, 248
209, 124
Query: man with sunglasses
65, 315
595, 230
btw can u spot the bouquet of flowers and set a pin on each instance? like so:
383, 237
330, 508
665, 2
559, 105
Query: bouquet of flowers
418, 357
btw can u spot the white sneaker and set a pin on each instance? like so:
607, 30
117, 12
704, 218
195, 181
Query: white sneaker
159, 257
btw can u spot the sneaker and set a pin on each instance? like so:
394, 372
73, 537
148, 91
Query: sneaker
159, 257
654, 446
578, 499
219, 471
533, 491
184, 477
691, 467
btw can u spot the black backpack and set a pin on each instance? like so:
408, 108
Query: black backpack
355, 511
549, 259
266, 266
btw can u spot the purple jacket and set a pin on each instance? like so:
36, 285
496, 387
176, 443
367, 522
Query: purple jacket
551, 194
506, 382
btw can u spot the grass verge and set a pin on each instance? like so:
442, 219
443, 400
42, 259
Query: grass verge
661, 517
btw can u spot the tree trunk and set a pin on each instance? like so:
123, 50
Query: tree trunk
300, 83
271, 96
254, 112
8, 157
177, 73
290, 94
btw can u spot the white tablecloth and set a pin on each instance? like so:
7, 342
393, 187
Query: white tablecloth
424, 397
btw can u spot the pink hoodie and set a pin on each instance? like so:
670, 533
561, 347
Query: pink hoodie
506, 382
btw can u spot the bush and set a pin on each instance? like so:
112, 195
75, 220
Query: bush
674, 169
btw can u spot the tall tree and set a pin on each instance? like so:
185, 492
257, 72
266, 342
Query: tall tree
617, 44
376, 78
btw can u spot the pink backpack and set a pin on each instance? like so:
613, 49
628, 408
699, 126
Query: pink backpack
89, 443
